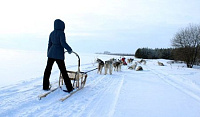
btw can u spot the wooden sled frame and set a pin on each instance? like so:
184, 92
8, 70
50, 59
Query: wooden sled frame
78, 78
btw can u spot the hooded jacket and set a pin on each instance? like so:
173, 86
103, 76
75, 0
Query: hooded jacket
57, 41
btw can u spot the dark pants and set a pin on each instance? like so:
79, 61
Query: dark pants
62, 68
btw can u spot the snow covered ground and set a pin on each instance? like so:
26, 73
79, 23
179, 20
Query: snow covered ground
158, 91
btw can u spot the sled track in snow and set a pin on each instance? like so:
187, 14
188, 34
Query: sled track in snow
18, 96
89, 97
20, 102
169, 80
92, 93
111, 86
118, 90
15, 97
76, 101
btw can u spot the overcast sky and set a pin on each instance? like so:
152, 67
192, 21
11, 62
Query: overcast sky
96, 25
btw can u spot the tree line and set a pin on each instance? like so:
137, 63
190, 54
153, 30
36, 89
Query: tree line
148, 53
186, 47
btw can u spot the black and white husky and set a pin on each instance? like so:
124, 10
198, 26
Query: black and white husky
100, 65
117, 65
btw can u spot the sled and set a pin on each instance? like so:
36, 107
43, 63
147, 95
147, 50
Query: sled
77, 78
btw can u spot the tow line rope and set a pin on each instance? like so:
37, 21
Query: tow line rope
90, 70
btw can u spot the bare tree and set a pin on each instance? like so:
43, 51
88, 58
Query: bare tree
187, 42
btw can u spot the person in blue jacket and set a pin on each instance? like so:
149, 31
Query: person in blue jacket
56, 45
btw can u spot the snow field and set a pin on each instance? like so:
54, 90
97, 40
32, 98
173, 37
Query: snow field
157, 91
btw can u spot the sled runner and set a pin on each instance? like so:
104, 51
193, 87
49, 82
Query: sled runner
77, 78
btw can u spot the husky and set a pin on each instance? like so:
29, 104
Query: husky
132, 67
108, 65
139, 68
142, 61
117, 65
100, 65
130, 60
160, 64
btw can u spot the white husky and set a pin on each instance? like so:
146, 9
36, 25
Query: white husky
108, 65
132, 67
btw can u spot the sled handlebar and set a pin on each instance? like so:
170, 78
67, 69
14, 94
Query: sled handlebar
77, 57
79, 64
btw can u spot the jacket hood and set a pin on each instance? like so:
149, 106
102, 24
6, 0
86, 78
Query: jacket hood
59, 25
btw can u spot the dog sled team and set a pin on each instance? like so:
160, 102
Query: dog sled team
108, 65
116, 64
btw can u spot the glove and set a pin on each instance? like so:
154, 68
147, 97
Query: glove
70, 52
